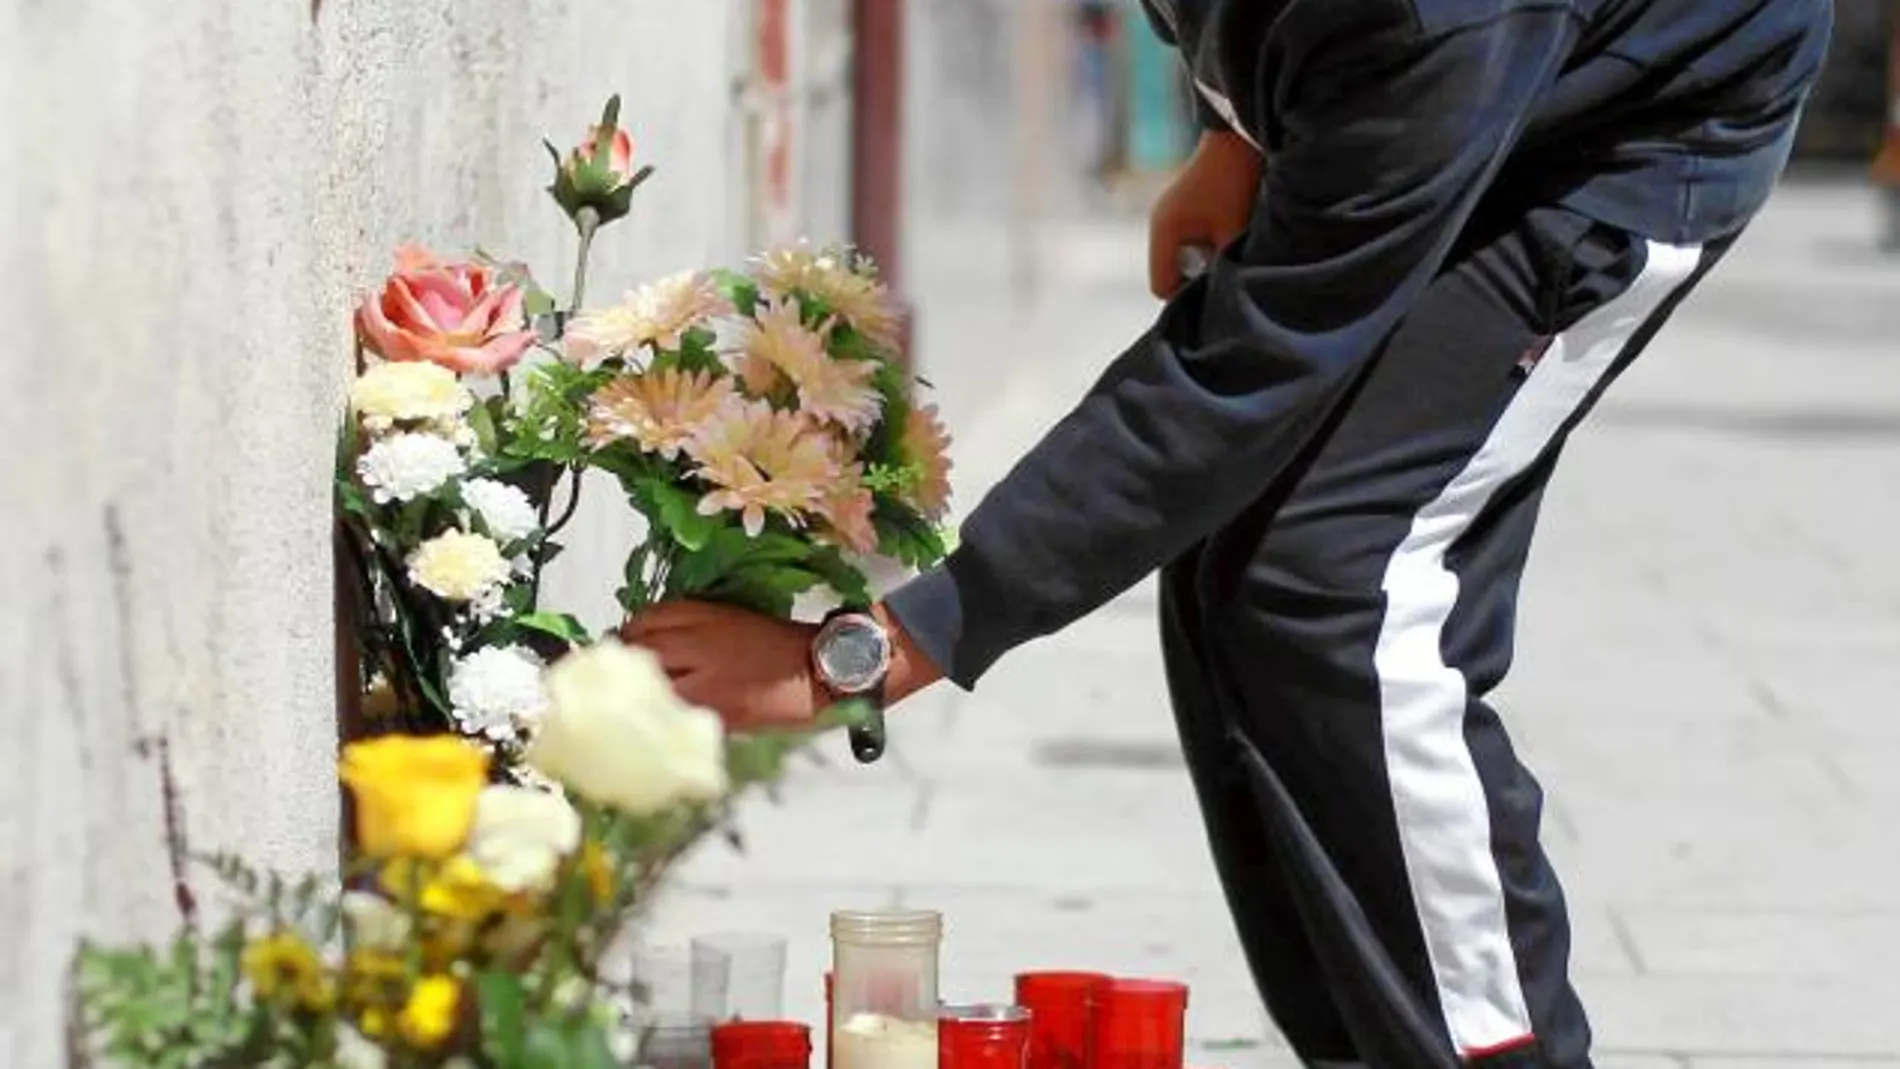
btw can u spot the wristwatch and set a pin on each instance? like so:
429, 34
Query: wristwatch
851, 657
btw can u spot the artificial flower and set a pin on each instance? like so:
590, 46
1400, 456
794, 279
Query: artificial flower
391, 393
847, 506
459, 566
415, 796
761, 460
925, 449
830, 390
374, 977
373, 922
496, 691
658, 314
403, 467
429, 1017
521, 835
283, 968
618, 734
598, 174
506, 512
453, 314
848, 290
657, 410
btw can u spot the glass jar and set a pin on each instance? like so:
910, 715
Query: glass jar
1061, 1009
884, 989
983, 1037
738, 976
1140, 1024
761, 1045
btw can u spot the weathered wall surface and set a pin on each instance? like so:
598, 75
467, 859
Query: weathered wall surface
190, 192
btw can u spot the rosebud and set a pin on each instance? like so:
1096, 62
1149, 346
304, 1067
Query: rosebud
599, 173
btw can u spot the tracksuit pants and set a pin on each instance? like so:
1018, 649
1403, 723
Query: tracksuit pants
1329, 654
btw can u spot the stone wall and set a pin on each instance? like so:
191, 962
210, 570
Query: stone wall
191, 193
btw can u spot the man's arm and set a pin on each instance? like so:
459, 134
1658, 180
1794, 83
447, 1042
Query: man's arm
1388, 140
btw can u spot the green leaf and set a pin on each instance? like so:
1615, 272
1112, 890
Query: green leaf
905, 535
768, 588
729, 549
503, 1014
560, 625
483, 419
841, 576
678, 511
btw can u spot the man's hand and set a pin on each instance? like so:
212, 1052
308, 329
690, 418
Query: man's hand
753, 670
1208, 204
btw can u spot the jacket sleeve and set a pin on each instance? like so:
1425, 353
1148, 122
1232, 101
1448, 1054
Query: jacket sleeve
1388, 136
1204, 112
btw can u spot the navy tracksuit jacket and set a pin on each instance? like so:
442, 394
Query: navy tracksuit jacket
1475, 214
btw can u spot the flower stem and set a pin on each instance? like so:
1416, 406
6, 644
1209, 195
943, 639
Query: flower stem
587, 221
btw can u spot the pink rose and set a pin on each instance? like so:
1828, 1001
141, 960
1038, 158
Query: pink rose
590, 180
453, 314
619, 155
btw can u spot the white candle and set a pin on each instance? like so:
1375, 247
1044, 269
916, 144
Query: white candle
874, 1041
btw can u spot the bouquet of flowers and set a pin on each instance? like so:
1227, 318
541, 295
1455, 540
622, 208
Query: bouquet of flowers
759, 421
474, 922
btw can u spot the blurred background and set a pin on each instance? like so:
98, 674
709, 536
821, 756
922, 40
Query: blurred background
193, 193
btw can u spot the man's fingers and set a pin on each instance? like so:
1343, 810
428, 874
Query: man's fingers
667, 616
1164, 270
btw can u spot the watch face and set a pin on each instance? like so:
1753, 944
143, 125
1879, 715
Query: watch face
852, 655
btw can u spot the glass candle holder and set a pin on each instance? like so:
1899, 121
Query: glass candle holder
983, 1037
761, 1045
1139, 1024
738, 976
673, 1042
884, 989
1061, 1009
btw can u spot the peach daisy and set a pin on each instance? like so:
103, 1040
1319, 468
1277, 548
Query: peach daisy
925, 449
658, 314
660, 410
856, 298
838, 392
761, 460
848, 504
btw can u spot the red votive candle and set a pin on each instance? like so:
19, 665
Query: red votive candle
761, 1045
982, 1037
1140, 1024
1061, 1009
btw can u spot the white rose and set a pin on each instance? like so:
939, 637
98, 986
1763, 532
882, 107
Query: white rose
505, 510
496, 690
402, 467
521, 835
616, 733
374, 922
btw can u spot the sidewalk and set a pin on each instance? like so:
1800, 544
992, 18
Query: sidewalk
1706, 683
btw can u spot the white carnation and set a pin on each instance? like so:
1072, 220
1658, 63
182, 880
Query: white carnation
505, 510
496, 691
406, 466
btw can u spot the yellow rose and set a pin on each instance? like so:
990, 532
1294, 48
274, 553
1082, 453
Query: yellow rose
408, 392
458, 566
616, 732
428, 1017
415, 796
284, 970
